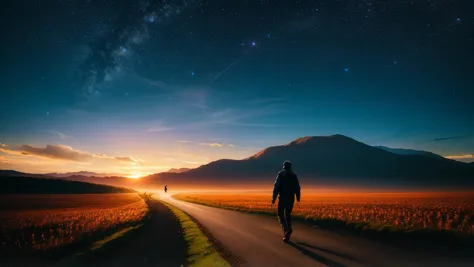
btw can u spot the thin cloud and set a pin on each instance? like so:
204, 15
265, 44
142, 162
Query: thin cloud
193, 162
3, 145
211, 144
62, 136
62, 152
103, 156
457, 157
155, 83
10, 151
449, 138
126, 159
57, 152
158, 129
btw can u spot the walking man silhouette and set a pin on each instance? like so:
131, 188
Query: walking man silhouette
286, 187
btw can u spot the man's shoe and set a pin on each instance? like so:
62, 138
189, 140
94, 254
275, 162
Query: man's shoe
287, 236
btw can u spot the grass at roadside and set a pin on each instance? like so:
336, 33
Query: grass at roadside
120, 234
200, 249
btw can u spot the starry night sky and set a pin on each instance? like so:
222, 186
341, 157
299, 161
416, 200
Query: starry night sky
140, 86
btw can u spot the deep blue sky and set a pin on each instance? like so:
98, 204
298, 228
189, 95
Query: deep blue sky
138, 80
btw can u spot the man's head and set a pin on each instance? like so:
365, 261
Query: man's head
287, 165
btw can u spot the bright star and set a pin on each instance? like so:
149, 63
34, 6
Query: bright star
268, 35
254, 43
395, 62
458, 19
192, 73
346, 69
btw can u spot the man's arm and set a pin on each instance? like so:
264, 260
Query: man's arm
298, 190
276, 188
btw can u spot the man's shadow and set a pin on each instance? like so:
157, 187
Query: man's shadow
315, 256
341, 255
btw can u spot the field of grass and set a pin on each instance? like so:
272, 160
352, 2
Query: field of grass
37, 224
393, 212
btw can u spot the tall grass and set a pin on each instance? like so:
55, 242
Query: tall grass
38, 231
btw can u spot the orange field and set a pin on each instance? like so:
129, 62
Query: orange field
38, 223
397, 211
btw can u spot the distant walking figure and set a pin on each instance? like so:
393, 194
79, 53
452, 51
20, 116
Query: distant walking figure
166, 188
286, 187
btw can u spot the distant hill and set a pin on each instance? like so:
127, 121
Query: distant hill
81, 173
32, 185
112, 180
403, 151
4, 173
334, 159
180, 170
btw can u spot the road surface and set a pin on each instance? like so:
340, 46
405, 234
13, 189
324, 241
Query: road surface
257, 241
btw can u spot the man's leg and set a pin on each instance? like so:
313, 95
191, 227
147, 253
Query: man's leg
281, 216
288, 210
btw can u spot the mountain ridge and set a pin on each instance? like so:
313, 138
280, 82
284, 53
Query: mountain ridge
328, 159
405, 151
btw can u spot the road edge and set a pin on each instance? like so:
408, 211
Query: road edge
201, 251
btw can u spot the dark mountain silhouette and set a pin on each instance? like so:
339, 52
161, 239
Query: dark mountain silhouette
335, 159
34, 185
180, 170
110, 180
7, 173
404, 151
81, 173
